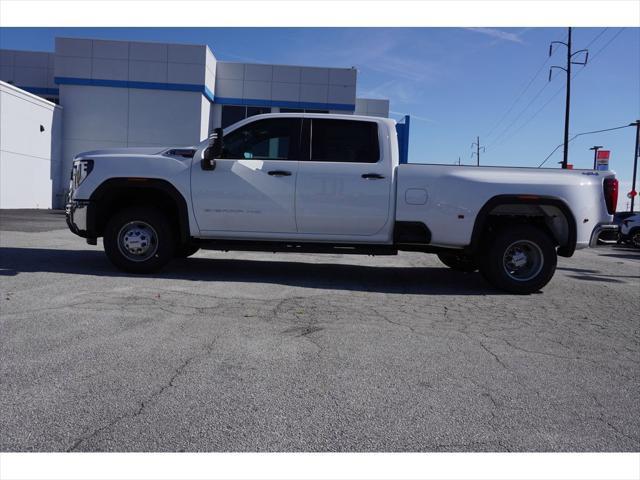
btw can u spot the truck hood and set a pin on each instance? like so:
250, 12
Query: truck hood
126, 151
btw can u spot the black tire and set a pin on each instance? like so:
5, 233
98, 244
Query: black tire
634, 237
185, 251
458, 262
502, 263
139, 229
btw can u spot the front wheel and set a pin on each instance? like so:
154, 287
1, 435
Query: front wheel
139, 240
520, 260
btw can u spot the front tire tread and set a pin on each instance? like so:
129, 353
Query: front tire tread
161, 225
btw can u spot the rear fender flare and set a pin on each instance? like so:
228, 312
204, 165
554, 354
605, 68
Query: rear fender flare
565, 250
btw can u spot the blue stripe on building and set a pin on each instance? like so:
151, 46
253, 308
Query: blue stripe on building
40, 90
190, 87
96, 82
250, 102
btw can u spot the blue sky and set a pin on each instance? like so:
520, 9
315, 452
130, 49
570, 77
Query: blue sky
456, 83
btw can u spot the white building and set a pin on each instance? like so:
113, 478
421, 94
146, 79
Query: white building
118, 93
30, 149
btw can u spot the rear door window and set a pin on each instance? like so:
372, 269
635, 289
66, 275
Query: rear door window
344, 141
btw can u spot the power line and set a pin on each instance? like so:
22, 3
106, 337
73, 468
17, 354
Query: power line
567, 71
593, 57
478, 148
513, 122
534, 115
579, 135
596, 37
515, 102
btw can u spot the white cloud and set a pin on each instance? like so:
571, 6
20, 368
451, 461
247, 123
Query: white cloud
498, 34
413, 116
395, 66
396, 90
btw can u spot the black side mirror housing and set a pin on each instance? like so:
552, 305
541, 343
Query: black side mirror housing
213, 151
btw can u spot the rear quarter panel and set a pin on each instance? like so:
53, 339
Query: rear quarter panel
454, 195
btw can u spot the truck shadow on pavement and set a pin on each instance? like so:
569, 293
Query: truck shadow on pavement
625, 252
330, 276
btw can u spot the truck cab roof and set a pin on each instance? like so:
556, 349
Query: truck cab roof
331, 116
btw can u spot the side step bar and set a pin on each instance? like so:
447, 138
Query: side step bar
295, 247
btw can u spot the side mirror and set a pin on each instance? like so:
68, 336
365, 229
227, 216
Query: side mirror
213, 151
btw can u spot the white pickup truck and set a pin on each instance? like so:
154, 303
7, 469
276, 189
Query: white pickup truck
333, 184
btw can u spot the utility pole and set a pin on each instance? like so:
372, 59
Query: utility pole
477, 152
565, 157
635, 163
595, 149
567, 70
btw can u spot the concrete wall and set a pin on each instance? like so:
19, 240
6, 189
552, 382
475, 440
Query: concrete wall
30, 172
103, 88
284, 85
373, 107
31, 71
135, 61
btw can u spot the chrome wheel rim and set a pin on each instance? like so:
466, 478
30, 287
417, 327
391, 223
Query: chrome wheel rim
138, 241
635, 240
522, 260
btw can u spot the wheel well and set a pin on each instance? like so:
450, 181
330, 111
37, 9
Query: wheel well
549, 214
117, 194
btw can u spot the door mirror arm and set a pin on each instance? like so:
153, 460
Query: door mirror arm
213, 151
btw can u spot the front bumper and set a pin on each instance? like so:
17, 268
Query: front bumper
77, 213
609, 229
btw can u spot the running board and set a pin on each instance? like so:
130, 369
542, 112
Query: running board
295, 247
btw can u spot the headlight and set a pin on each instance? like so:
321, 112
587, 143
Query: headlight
81, 170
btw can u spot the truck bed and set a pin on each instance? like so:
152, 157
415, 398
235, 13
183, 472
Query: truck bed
448, 198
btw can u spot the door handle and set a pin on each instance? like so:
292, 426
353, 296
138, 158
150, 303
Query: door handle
372, 176
279, 173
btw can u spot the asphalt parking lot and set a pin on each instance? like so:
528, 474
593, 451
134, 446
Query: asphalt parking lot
290, 352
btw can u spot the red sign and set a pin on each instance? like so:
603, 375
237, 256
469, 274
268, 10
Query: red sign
602, 160
632, 194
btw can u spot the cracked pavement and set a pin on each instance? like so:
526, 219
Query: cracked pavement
291, 352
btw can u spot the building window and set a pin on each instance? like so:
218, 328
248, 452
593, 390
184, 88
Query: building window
234, 113
270, 139
301, 110
251, 111
344, 141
